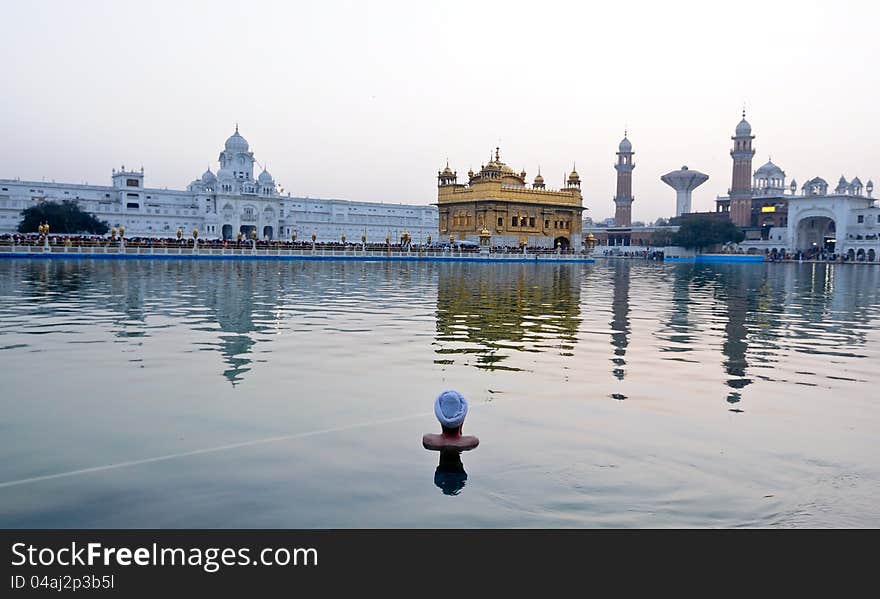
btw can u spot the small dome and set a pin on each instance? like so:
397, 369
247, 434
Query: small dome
574, 177
265, 178
236, 143
793, 185
208, 177
743, 128
870, 185
770, 171
856, 182
625, 145
539, 179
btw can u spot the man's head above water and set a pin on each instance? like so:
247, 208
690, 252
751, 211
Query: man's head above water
450, 407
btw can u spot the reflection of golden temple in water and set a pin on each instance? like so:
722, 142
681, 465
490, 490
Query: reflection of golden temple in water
519, 307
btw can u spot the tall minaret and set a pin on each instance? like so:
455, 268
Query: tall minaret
623, 200
741, 187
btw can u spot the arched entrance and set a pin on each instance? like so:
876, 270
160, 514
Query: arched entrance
227, 232
246, 230
267, 232
562, 242
815, 234
872, 255
860, 255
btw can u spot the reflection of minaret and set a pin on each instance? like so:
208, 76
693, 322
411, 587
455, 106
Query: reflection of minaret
681, 301
741, 186
623, 200
620, 328
735, 346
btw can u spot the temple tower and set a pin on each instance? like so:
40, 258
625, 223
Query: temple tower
623, 199
741, 186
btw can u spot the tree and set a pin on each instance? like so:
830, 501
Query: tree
703, 231
661, 238
66, 217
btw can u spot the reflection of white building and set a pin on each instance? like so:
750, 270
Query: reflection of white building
221, 205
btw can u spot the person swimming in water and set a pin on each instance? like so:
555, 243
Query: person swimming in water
450, 407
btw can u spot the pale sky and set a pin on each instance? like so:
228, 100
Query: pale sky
366, 100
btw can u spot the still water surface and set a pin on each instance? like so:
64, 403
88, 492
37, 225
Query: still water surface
284, 394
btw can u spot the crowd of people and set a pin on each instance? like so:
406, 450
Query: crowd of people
93, 241
815, 254
107, 241
647, 254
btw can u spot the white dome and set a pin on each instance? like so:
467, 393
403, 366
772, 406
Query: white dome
625, 145
265, 177
770, 171
208, 177
236, 143
743, 128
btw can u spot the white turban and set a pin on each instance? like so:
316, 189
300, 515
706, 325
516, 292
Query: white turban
450, 407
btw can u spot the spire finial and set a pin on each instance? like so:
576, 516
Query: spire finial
236, 126
497, 157
744, 110
539, 169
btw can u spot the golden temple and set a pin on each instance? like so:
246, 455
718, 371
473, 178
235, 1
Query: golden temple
499, 199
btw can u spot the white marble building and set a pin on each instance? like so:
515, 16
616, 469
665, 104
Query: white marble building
221, 205
845, 221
